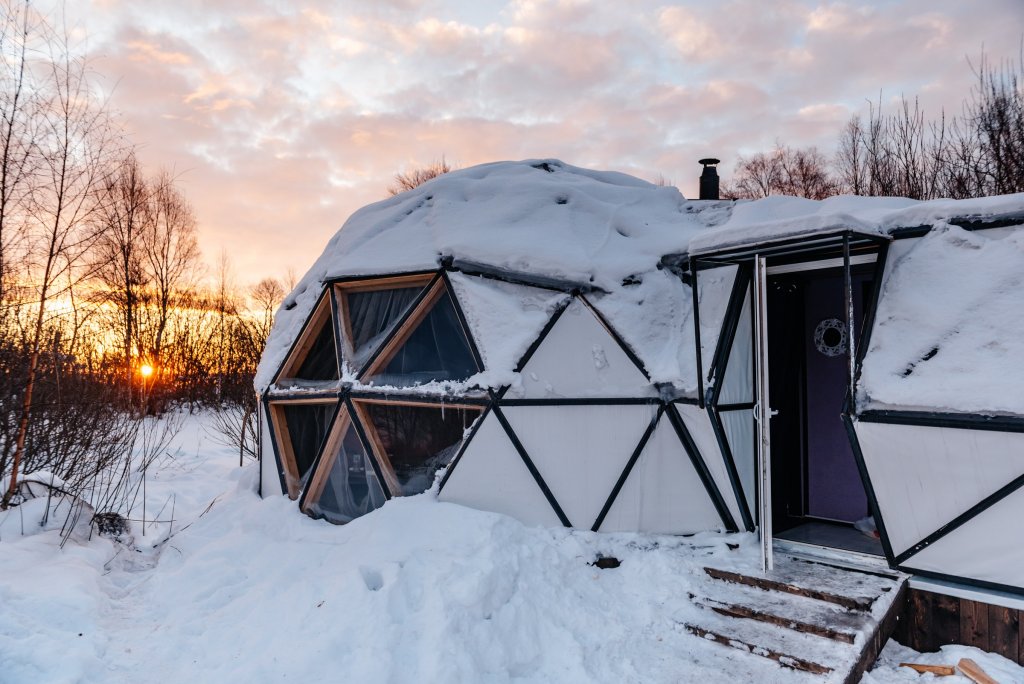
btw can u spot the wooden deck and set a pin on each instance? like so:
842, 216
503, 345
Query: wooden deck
823, 620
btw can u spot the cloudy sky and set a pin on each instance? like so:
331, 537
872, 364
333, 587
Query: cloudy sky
281, 118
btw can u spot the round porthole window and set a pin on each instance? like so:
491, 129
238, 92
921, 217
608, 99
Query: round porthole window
830, 337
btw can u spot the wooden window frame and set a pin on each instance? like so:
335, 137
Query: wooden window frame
377, 445
342, 290
321, 316
284, 439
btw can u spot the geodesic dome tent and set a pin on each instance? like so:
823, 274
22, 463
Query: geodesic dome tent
579, 348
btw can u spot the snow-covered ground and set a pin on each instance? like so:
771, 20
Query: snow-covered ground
251, 590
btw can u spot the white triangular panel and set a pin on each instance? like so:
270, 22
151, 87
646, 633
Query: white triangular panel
698, 424
714, 289
491, 476
580, 451
739, 433
988, 547
579, 358
738, 381
663, 493
924, 477
504, 318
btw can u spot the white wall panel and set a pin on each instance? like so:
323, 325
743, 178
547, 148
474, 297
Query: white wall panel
739, 432
924, 477
491, 476
714, 287
579, 358
698, 424
270, 481
580, 451
738, 380
989, 547
663, 493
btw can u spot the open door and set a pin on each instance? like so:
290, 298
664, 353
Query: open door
762, 411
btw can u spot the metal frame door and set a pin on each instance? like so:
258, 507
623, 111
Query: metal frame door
762, 411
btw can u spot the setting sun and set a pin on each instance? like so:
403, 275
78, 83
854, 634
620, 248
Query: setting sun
146, 370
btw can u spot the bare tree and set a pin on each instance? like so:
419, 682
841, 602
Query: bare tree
407, 180
783, 171
171, 251
74, 140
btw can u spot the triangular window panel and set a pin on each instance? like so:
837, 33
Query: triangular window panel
314, 356
370, 316
739, 433
351, 488
413, 441
300, 429
491, 476
580, 451
435, 350
663, 493
580, 358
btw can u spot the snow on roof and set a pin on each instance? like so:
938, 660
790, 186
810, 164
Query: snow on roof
596, 229
949, 331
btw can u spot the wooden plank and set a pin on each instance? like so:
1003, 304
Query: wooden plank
974, 629
973, 671
421, 404
883, 631
937, 670
321, 316
332, 448
737, 611
1004, 632
390, 479
792, 662
291, 469
386, 283
415, 318
862, 604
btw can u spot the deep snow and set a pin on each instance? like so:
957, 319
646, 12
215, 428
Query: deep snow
251, 590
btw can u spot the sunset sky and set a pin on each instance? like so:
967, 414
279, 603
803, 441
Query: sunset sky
283, 117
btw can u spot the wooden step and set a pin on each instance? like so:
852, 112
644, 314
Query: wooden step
815, 628
852, 603
783, 659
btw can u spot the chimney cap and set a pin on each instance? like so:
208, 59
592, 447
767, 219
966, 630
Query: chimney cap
709, 161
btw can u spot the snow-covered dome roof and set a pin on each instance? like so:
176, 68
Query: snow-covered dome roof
602, 231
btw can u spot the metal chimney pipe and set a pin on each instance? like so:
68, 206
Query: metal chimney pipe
709, 179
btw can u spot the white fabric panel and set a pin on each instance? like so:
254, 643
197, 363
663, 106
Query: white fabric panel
713, 289
491, 476
270, 481
739, 431
579, 358
924, 477
580, 451
663, 493
504, 318
698, 424
738, 381
989, 547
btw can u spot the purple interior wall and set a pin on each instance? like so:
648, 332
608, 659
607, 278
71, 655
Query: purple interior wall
834, 488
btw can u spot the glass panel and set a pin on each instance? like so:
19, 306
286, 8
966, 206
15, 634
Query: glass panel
437, 350
372, 314
418, 440
307, 427
352, 488
321, 363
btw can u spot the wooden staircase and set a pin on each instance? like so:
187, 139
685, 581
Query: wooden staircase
820, 620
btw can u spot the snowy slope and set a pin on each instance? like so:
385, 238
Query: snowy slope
251, 590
